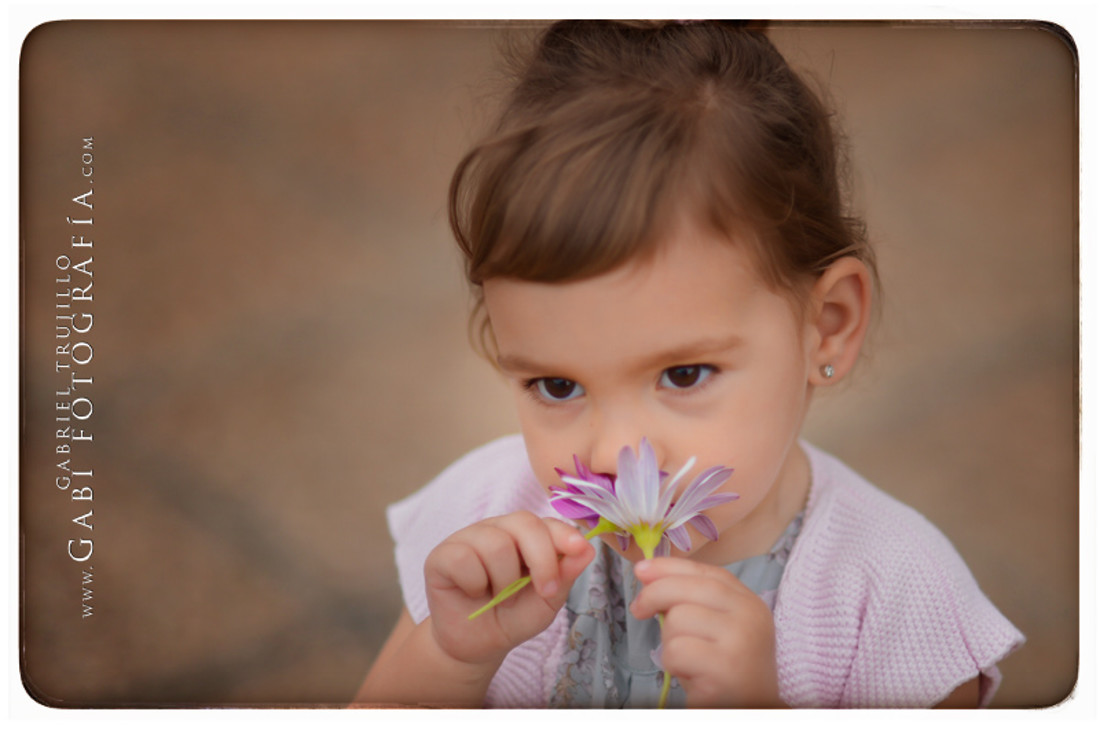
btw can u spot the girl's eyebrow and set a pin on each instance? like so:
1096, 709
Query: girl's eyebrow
689, 352
518, 363
684, 353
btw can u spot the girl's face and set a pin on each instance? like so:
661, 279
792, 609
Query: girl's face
688, 348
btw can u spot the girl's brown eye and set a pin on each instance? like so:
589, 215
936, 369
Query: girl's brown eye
558, 389
685, 376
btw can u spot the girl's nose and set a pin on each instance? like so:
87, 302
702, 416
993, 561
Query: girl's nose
604, 458
608, 438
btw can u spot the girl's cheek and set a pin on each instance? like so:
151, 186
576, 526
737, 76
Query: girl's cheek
543, 467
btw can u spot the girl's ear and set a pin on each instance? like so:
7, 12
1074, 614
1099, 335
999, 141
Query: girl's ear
841, 310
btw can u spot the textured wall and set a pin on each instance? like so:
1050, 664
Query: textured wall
279, 345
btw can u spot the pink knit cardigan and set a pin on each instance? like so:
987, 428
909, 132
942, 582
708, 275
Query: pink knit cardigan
875, 608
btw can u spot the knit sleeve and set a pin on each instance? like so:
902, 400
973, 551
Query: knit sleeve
927, 628
877, 609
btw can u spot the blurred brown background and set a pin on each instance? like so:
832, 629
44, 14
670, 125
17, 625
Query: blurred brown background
280, 332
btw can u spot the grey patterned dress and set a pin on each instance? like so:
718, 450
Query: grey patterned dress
609, 659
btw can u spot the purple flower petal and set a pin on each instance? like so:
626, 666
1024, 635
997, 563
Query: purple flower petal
716, 499
628, 487
572, 510
560, 497
588, 489
679, 537
590, 476
705, 526
703, 485
607, 508
649, 476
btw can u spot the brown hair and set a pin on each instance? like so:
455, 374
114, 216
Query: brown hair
615, 129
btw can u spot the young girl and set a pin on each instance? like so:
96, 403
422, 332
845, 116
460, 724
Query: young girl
656, 234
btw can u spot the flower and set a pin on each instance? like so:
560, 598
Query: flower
571, 509
640, 501
637, 503
634, 505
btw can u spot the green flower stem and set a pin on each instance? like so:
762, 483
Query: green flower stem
509, 590
516, 586
647, 538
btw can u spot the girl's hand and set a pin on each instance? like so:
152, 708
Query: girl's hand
471, 566
718, 637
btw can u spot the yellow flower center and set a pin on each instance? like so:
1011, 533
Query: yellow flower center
648, 537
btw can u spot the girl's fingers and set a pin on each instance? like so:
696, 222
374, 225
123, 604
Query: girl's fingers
720, 660
574, 550
662, 595
682, 656
718, 636
648, 571
456, 565
478, 560
499, 556
568, 540
486, 557
690, 619
536, 548
539, 543
543, 543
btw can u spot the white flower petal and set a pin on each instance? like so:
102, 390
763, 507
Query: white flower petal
590, 489
608, 509
696, 494
578, 482
680, 474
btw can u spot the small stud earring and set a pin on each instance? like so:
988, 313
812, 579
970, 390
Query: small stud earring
828, 371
